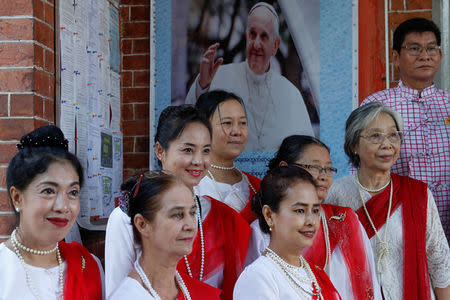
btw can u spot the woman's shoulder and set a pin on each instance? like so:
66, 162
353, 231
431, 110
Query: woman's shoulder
130, 288
200, 290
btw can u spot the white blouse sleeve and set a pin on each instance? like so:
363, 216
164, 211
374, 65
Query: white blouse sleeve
371, 259
255, 286
438, 253
120, 250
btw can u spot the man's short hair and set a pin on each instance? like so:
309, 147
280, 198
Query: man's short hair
414, 25
276, 20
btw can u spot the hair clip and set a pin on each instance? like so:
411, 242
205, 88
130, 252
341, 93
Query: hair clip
137, 186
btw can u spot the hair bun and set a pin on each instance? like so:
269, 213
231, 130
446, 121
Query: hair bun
47, 136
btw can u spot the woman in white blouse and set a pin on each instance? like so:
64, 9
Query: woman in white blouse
398, 213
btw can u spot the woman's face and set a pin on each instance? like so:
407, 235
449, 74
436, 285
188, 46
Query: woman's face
374, 156
295, 224
187, 157
174, 227
48, 205
230, 131
318, 158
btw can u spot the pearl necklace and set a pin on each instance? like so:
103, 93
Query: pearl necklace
38, 252
291, 276
326, 237
202, 243
383, 247
30, 283
152, 291
371, 190
223, 168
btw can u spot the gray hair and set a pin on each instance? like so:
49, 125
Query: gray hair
276, 21
358, 120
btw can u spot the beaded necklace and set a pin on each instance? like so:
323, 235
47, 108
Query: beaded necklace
16, 245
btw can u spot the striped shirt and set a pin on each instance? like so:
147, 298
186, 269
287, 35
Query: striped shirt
425, 152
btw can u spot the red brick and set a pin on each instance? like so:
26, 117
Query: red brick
38, 106
39, 56
418, 4
50, 15
136, 62
12, 129
38, 9
39, 123
126, 46
134, 2
3, 178
135, 160
141, 46
142, 78
397, 5
44, 34
140, 13
16, 29
16, 80
7, 224
16, 54
141, 111
3, 105
5, 203
49, 61
396, 18
125, 13
128, 144
43, 83
136, 30
49, 110
16, 8
131, 128
135, 95
22, 105
127, 79
142, 144
8, 150
127, 112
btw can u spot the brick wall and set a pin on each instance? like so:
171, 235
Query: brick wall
399, 11
27, 82
135, 33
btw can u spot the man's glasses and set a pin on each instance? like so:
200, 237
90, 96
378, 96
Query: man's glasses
378, 137
316, 170
416, 50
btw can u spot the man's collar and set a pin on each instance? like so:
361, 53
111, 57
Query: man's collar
255, 77
412, 94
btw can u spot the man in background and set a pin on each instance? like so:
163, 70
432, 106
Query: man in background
275, 107
425, 152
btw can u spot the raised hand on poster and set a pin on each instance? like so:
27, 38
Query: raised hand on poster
208, 66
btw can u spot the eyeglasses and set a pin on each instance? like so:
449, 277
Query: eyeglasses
416, 50
317, 170
378, 137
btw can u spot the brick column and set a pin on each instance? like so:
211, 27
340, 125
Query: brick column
27, 82
135, 50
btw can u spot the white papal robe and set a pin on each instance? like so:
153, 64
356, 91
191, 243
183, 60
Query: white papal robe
275, 107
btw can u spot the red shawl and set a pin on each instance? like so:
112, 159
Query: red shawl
226, 236
345, 232
247, 213
83, 276
412, 194
198, 290
327, 288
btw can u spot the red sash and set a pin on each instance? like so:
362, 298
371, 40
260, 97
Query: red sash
412, 194
198, 290
345, 232
226, 235
81, 282
328, 290
247, 213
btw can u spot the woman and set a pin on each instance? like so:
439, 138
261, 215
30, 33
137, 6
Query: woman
163, 211
225, 182
397, 212
288, 208
341, 247
182, 145
43, 182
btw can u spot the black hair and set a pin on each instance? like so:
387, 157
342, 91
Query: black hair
414, 25
208, 102
37, 151
274, 187
173, 120
144, 194
292, 147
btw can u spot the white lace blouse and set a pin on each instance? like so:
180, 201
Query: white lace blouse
344, 192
